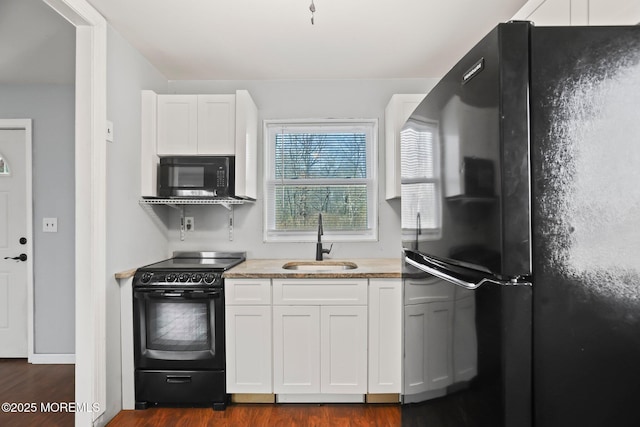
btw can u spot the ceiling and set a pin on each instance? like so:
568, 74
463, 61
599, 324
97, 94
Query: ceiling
259, 39
274, 39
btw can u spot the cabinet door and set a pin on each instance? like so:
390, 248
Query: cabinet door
343, 336
385, 336
246, 146
248, 349
148, 143
177, 124
296, 349
428, 342
216, 124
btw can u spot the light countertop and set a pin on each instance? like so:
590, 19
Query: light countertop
272, 268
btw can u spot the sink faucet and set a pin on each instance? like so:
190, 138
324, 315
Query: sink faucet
319, 249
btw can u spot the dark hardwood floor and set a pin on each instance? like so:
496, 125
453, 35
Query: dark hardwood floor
31, 394
265, 415
27, 387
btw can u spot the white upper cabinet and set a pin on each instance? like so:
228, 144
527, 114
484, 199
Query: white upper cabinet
177, 124
196, 124
580, 12
201, 125
246, 145
216, 124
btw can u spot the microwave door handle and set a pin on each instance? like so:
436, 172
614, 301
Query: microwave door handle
438, 270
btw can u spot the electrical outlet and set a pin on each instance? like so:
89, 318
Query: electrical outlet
188, 223
50, 225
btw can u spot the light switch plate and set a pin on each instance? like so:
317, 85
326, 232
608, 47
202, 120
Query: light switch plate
109, 131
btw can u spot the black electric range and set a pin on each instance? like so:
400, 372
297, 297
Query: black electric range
179, 341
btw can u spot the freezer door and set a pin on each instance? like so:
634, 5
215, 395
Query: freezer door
465, 160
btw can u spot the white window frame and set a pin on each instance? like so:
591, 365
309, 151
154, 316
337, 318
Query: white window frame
368, 126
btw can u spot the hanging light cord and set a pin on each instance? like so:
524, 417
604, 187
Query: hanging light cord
312, 8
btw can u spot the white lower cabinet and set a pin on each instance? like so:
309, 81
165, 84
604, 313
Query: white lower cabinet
385, 336
320, 349
343, 350
248, 349
296, 349
248, 336
314, 340
320, 337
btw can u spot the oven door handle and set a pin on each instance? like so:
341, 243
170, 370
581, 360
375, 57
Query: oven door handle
184, 294
203, 295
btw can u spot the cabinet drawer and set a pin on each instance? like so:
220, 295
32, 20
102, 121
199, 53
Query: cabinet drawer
320, 291
428, 289
247, 291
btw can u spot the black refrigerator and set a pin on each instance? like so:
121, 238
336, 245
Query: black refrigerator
521, 185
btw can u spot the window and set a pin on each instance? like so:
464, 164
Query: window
420, 181
320, 166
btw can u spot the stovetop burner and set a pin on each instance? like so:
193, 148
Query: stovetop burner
205, 261
188, 268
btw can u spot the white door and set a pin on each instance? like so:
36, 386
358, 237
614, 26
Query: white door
13, 228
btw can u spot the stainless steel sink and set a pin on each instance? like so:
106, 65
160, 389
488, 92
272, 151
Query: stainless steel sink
320, 265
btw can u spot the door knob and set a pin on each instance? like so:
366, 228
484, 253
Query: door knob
21, 257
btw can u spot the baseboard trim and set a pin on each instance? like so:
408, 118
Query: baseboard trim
52, 359
253, 398
383, 398
319, 398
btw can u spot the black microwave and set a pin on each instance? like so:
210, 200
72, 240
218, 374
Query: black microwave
196, 176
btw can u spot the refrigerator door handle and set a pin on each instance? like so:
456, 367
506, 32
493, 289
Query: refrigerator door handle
435, 268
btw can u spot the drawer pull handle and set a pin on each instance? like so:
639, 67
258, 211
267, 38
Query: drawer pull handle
178, 379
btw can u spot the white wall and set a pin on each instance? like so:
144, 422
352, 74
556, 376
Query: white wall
52, 109
298, 99
133, 239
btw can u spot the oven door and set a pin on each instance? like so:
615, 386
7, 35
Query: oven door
179, 329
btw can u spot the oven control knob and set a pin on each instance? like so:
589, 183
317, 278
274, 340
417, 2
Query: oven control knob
146, 277
183, 277
209, 278
171, 277
196, 277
